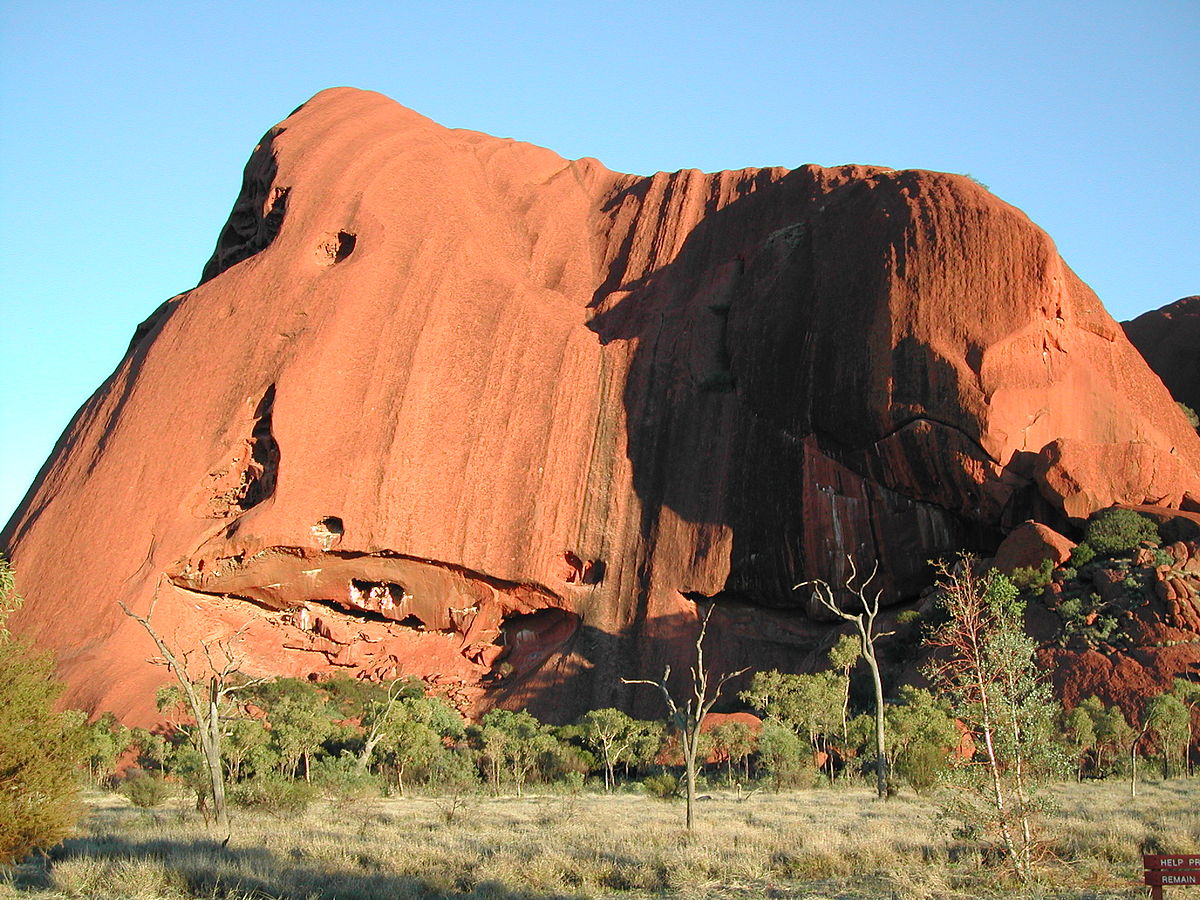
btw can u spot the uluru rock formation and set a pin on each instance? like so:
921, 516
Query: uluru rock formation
452, 406
1169, 339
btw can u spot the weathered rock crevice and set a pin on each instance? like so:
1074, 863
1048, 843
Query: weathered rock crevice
257, 214
248, 476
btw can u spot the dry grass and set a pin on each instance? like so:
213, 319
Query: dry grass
824, 843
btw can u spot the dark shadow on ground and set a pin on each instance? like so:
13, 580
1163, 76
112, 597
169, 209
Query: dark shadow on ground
213, 871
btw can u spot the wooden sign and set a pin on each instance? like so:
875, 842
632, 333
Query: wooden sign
1164, 869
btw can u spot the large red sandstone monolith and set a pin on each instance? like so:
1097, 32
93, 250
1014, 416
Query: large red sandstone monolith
452, 406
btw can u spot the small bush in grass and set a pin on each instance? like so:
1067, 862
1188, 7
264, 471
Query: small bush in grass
922, 767
39, 747
1115, 531
274, 795
145, 790
342, 782
664, 786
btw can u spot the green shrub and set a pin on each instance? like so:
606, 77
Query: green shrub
1115, 531
273, 795
145, 790
1027, 578
1082, 555
664, 786
1189, 414
342, 782
40, 749
922, 765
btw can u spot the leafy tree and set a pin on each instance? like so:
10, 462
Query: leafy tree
645, 744
1189, 693
922, 734
1079, 727
810, 705
103, 742
1114, 531
39, 748
1113, 732
843, 655
376, 715
735, 742
299, 725
518, 739
247, 744
984, 664
417, 733
1169, 722
781, 754
610, 732
152, 748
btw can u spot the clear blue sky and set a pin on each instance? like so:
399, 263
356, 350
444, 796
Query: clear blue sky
124, 127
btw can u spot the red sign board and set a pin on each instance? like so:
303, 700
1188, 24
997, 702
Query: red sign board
1175, 861
1177, 869
1164, 878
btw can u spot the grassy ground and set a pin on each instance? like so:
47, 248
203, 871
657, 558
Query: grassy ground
823, 843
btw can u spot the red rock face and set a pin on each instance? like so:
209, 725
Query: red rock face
451, 406
1169, 339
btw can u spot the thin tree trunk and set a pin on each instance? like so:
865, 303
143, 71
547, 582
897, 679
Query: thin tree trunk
881, 772
994, 768
212, 750
1133, 769
689, 759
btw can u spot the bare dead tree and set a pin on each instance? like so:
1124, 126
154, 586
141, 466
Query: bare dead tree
865, 622
688, 716
203, 700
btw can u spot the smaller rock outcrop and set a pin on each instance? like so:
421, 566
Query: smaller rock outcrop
1029, 545
1169, 339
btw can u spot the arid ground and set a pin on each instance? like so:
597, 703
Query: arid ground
831, 842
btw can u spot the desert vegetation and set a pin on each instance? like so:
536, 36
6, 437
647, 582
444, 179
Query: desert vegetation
833, 840
349, 788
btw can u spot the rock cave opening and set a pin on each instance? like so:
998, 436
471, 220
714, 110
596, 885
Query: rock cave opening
529, 638
383, 597
336, 247
328, 531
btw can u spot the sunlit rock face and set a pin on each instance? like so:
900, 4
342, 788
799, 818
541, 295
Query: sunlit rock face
450, 406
